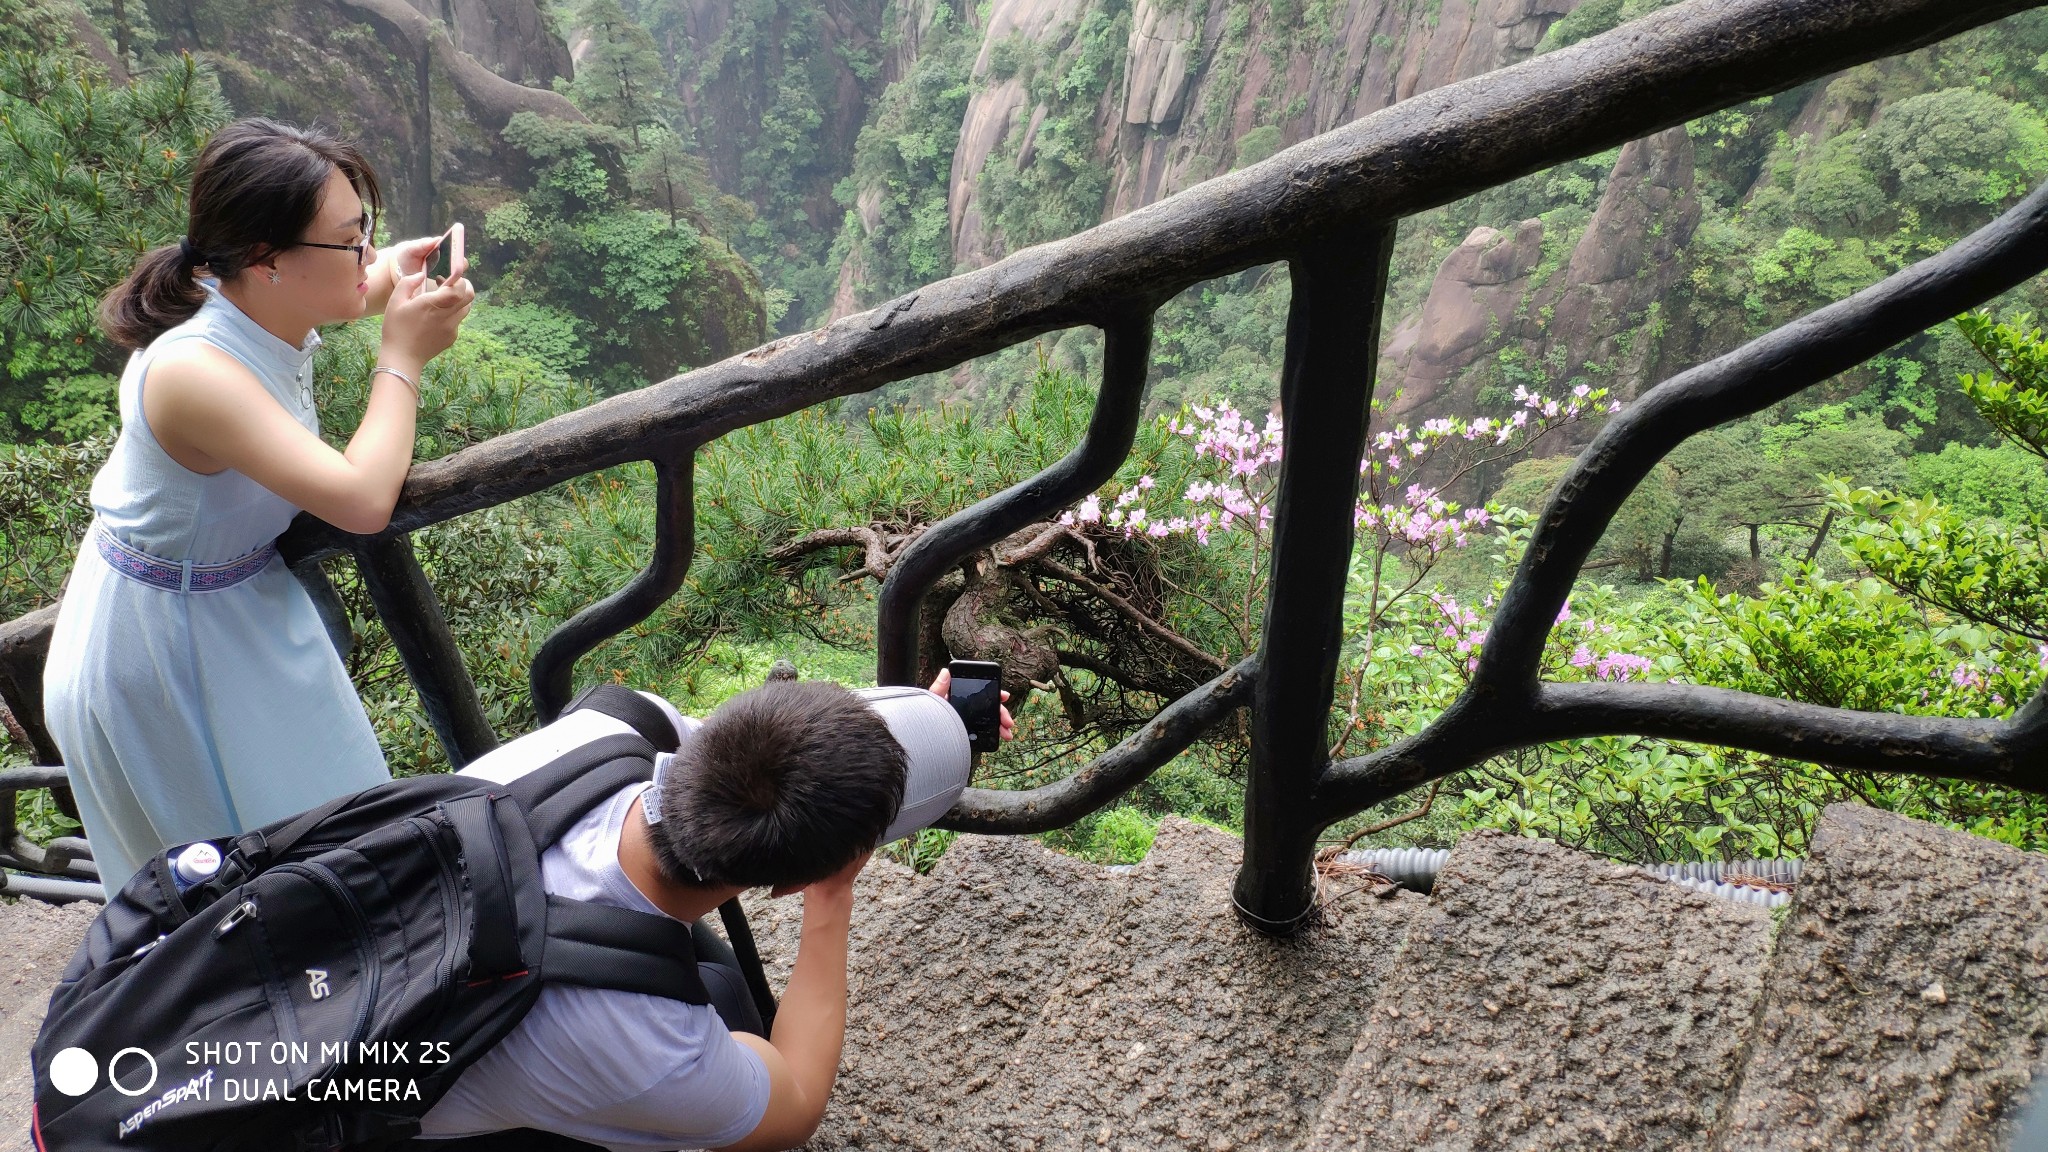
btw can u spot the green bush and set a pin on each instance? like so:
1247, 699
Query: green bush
92, 175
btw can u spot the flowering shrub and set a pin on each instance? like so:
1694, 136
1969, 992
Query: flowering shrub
1405, 522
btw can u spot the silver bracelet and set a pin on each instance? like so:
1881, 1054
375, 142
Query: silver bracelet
417, 400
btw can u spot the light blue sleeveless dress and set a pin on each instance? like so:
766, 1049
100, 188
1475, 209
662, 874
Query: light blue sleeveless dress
190, 684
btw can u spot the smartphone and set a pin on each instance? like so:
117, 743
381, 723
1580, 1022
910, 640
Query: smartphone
447, 253
977, 694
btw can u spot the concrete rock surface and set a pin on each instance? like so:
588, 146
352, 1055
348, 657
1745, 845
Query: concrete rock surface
1540, 999
1546, 999
36, 942
1908, 997
778, 923
949, 981
1176, 1027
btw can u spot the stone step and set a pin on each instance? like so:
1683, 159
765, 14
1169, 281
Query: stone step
1545, 999
949, 980
883, 886
36, 941
1540, 999
1176, 1027
1907, 1001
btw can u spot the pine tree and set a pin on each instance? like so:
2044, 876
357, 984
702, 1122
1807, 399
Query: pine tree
622, 82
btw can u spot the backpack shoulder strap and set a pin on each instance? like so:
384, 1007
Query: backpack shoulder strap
557, 794
599, 946
622, 703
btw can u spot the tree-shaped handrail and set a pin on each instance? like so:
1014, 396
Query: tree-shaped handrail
1327, 207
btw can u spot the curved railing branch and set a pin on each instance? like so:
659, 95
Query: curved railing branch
675, 535
1505, 707
2012, 753
1110, 775
1671, 66
412, 616
1126, 355
1762, 372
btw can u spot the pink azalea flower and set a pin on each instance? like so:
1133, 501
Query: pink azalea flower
1621, 666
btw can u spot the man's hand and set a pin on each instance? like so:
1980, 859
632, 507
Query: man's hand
836, 887
944, 683
802, 1058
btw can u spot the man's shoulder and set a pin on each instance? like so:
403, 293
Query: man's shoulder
515, 758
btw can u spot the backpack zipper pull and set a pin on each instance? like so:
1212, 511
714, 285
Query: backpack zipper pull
242, 911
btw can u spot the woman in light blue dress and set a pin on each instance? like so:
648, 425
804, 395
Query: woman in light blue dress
190, 683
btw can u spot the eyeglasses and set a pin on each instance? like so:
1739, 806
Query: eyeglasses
361, 249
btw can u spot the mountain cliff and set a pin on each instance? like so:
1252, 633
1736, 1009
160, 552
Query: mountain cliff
1020, 121
427, 90
1082, 110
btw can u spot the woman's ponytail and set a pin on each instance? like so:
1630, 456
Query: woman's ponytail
256, 186
158, 295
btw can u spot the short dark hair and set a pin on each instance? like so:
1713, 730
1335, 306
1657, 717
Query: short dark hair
784, 784
256, 188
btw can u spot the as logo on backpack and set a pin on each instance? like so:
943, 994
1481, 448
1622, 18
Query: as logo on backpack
336, 975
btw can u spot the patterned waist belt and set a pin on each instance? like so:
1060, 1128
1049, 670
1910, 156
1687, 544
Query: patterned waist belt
178, 575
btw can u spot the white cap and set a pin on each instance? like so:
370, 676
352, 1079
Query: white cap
196, 863
934, 741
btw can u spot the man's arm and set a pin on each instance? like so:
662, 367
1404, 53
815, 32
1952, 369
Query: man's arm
810, 1024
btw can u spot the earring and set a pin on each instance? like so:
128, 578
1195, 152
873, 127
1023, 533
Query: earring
273, 275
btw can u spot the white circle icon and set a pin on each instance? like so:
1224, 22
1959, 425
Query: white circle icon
116, 1084
74, 1072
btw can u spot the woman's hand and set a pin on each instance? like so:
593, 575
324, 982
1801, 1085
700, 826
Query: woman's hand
404, 259
420, 322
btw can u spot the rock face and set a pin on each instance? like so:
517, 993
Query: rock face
427, 114
992, 110
510, 37
1585, 319
1159, 63
1478, 294
1175, 1027
1302, 81
1538, 999
1628, 258
734, 61
1548, 1000
1197, 77
1907, 1000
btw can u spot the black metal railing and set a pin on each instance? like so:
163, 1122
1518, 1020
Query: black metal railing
1327, 207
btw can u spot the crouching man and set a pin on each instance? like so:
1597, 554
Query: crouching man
789, 787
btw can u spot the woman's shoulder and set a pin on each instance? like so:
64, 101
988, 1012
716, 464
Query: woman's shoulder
194, 359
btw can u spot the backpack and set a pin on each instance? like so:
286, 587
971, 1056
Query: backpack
332, 980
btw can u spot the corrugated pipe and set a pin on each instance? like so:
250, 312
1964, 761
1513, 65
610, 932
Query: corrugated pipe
1416, 869
51, 889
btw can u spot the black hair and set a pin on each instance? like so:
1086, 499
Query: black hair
784, 784
256, 188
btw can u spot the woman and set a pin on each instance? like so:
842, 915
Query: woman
190, 684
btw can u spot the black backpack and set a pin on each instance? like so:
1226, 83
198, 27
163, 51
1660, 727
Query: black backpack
343, 967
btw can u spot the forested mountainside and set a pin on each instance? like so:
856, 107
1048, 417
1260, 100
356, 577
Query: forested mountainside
882, 145
836, 153
655, 184
466, 108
